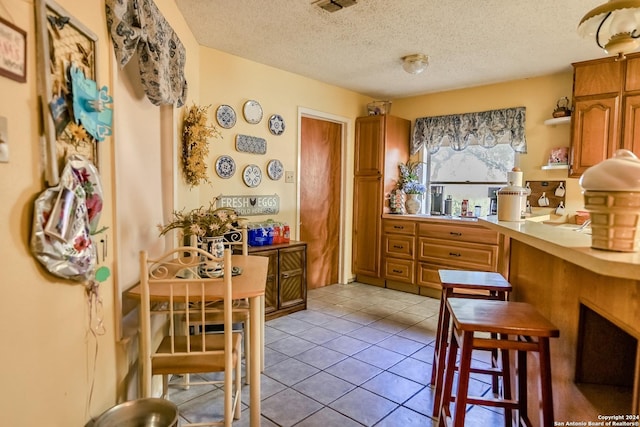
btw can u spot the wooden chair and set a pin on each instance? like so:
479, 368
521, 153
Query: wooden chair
174, 286
236, 237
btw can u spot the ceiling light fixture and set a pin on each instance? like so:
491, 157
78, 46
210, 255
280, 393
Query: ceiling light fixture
416, 63
615, 25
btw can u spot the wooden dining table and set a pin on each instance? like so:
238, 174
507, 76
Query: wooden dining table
250, 284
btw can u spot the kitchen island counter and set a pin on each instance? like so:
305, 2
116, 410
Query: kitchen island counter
593, 297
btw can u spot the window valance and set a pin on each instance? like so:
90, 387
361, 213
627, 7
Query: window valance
485, 128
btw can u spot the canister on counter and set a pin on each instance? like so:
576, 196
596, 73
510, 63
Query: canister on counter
448, 206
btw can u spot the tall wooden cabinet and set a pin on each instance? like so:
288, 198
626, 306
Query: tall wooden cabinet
606, 99
381, 143
286, 288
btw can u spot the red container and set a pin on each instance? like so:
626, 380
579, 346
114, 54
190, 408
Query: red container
286, 234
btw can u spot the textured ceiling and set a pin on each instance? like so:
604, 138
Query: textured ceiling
469, 42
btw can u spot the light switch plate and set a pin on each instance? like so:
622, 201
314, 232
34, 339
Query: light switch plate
4, 140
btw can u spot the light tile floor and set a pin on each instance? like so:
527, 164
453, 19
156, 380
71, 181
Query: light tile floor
359, 355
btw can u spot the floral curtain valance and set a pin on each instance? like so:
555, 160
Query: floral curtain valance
138, 26
485, 128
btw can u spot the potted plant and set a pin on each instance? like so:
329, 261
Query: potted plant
410, 184
208, 224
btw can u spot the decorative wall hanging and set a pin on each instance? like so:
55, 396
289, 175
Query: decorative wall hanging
226, 116
486, 128
251, 144
252, 111
275, 169
62, 41
195, 146
250, 205
138, 26
225, 167
276, 124
252, 175
13, 52
90, 104
64, 219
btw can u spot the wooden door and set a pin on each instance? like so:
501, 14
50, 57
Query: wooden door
320, 195
595, 132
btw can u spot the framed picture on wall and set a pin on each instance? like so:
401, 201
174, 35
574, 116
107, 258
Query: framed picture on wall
13, 52
63, 43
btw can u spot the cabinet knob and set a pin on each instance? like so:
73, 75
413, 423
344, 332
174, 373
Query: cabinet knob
397, 271
454, 254
398, 247
455, 233
285, 275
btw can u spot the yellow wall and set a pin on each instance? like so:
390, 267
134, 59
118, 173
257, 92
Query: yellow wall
48, 357
539, 95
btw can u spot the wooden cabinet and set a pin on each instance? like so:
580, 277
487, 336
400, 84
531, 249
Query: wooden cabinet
414, 250
398, 245
381, 143
450, 245
606, 96
286, 289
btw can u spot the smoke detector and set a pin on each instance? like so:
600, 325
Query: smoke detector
333, 5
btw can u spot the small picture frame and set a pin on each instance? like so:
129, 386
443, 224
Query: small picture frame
13, 52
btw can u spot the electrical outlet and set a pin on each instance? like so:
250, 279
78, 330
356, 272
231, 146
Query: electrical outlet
289, 177
4, 141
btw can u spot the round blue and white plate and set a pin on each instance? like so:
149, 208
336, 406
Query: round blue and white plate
226, 116
252, 175
225, 167
275, 169
276, 124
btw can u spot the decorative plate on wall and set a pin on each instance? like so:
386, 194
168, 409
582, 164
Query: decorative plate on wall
275, 169
276, 124
252, 111
225, 167
226, 116
252, 175
251, 144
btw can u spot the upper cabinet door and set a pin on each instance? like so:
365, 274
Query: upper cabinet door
631, 137
597, 77
595, 132
369, 148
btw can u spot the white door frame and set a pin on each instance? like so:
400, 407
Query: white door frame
343, 274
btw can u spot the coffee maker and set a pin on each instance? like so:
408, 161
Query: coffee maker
437, 200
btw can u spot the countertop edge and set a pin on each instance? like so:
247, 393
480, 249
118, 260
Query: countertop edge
578, 251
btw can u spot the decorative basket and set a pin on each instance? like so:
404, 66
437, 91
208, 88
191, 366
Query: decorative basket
377, 108
615, 217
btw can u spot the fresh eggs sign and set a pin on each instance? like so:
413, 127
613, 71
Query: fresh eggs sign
250, 205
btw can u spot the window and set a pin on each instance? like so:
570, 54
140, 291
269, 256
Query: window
474, 173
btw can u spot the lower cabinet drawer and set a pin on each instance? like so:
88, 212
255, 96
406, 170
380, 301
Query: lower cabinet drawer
460, 255
399, 246
428, 275
401, 270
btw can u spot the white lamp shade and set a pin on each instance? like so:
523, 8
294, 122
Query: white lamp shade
614, 25
415, 64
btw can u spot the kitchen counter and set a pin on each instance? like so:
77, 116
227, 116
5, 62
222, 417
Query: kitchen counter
593, 297
569, 245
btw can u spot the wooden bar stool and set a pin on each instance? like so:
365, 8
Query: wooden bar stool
462, 284
519, 327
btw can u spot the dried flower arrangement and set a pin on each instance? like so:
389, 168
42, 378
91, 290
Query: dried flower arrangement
195, 147
202, 222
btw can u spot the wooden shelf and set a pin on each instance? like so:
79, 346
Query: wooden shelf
551, 167
557, 121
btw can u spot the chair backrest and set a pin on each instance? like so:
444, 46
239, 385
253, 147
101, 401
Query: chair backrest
238, 236
176, 285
